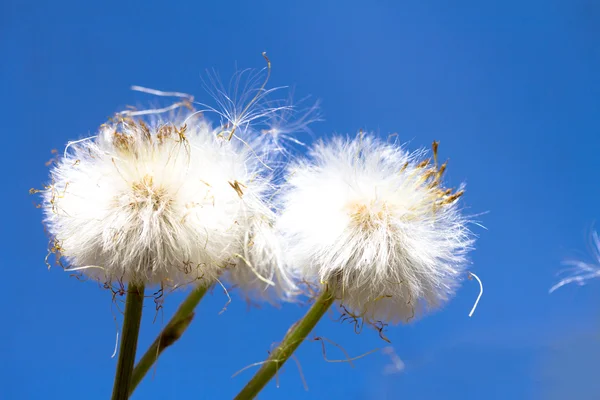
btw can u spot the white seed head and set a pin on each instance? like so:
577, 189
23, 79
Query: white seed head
373, 222
160, 203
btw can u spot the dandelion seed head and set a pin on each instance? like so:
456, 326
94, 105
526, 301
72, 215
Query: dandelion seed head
374, 222
160, 202
171, 199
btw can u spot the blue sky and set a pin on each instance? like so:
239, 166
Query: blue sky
510, 89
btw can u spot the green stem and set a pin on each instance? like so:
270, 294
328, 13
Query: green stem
294, 337
129, 338
169, 335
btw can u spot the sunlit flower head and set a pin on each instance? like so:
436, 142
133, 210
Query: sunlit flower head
581, 272
374, 223
168, 202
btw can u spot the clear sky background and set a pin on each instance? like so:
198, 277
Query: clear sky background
510, 89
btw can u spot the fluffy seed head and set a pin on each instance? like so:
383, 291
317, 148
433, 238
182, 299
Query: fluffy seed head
168, 202
374, 222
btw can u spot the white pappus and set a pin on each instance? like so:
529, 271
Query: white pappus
582, 271
167, 202
374, 222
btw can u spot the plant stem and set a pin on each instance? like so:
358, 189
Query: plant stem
129, 338
294, 337
169, 335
